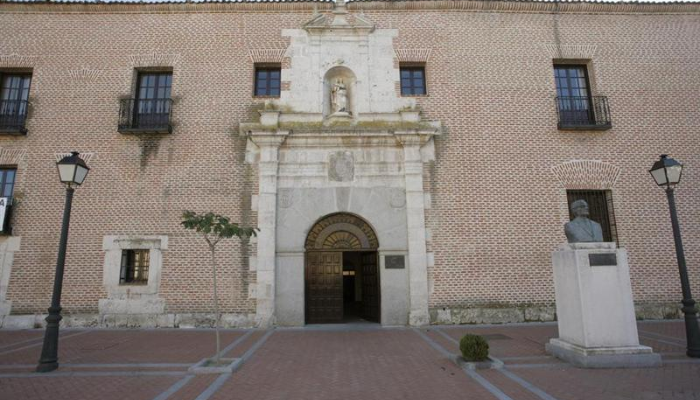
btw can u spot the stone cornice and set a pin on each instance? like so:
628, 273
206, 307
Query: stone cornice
267, 138
530, 6
465, 5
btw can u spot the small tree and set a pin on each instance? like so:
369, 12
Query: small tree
213, 228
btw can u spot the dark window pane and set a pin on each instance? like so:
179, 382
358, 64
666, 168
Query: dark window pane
7, 178
412, 81
267, 81
135, 265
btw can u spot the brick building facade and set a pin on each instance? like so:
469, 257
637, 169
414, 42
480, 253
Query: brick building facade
462, 189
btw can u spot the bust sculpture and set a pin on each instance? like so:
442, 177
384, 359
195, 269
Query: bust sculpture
339, 97
581, 228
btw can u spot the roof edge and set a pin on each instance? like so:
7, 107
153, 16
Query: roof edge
534, 6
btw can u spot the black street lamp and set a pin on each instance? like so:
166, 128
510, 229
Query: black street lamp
72, 171
667, 173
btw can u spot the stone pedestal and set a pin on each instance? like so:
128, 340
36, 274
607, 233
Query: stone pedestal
595, 309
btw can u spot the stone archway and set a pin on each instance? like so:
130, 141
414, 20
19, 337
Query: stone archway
341, 270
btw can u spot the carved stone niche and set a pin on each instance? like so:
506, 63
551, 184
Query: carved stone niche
332, 97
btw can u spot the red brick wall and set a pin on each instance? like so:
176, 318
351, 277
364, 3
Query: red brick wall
495, 215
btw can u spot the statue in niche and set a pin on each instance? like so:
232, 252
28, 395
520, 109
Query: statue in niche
581, 228
339, 98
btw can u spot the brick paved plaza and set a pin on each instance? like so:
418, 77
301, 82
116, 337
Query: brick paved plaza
333, 362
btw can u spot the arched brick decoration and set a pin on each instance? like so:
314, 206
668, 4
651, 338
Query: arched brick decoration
12, 157
154, 59
85, 74
266, 55
585, 52
412, 55
341, 231
587, 174
17, 61
84, 156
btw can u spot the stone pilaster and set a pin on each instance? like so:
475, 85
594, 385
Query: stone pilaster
8, 246
415, 214
268, 143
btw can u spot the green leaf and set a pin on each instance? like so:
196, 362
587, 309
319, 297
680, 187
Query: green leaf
215, 225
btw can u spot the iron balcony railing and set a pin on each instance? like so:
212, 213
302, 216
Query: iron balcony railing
145, 116
583, 113
13, 115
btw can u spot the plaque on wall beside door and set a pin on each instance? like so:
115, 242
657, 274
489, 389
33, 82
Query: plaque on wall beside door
394, 262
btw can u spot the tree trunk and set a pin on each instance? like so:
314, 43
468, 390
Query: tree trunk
216, 306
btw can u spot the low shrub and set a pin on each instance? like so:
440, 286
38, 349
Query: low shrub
474, 348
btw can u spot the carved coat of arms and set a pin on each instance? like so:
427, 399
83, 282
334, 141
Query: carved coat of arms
341, 167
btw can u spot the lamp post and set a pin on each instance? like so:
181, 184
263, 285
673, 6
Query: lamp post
667, 173
72, 171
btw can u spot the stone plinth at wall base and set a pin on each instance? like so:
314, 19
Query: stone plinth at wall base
138, 321
25, 321
148, 305
604, 357
195, 320
229, 365
492, 315
671, 310
490, 363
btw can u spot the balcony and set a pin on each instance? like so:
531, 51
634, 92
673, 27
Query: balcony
145, 116
583, 113
13, 115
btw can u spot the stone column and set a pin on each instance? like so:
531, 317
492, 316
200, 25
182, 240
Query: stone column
268, 143
415, 214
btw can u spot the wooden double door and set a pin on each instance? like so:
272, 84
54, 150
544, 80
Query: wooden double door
324, 286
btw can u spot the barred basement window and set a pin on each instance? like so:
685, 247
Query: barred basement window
135, 265
600, 209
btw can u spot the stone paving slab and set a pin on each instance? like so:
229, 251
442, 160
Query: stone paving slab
382, 364
9, 339
334, 362
672, 381
127, 346
510, 341
79, 388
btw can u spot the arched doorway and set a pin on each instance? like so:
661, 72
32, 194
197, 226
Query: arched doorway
341, 271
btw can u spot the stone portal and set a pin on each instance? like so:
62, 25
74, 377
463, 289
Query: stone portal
340, 139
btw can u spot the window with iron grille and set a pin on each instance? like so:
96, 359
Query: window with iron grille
14, 98
600, 210
573, 94
412, 80
153, 98
135, 265
267, 80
